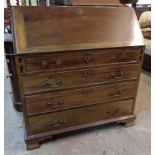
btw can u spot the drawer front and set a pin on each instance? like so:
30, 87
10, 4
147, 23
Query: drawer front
77, 78
37, 104
77, 59
79, 116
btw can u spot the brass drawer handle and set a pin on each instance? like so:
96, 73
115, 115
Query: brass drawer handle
44, 63
56, 124
58, 62
53, 83
123, 58
87, 59
115, 94
117, 74
55, 103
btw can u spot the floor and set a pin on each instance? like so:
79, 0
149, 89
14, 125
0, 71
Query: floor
105, 140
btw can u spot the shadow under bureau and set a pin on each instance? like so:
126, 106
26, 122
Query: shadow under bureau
77, 67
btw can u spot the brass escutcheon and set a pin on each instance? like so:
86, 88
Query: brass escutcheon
79, 11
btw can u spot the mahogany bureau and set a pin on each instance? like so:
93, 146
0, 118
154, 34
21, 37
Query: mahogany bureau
77, 67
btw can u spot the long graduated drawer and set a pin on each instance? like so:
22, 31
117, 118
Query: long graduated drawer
73, 117
74, 59
78, 78
43, 103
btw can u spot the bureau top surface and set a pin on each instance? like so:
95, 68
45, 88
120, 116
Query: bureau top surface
48, 29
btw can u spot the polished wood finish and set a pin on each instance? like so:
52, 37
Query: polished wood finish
76, 79
79, 97
79, 36
81, 59
81, 74
31, 143
68, 118
127, 122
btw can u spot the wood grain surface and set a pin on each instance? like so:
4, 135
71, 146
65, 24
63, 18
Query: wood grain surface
93, 58
84, 27
40, 123
42, 103
60, 80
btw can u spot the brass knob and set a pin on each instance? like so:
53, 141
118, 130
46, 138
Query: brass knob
44, 63
58, 62
113, 58
123, 58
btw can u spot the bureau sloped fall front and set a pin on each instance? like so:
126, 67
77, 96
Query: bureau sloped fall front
77, 67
